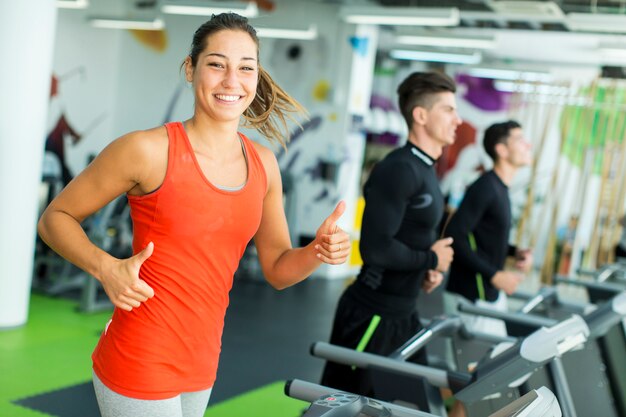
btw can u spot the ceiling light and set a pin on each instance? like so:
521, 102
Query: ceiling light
525, 9
525, 87
509, 74
302, 34
372, 15
447, 41
596, 22
208, 9
72, 4
433, 56
119, 23
500, 19
612, 54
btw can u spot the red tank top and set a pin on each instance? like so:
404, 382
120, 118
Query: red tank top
171, 343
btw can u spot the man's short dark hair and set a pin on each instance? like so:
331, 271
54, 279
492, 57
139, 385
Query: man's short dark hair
498, 133
419, 89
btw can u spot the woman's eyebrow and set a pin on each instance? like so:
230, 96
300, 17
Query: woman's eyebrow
217, 54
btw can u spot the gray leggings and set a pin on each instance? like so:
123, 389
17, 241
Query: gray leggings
187, 404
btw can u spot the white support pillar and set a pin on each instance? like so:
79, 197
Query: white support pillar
27, 30
360, 46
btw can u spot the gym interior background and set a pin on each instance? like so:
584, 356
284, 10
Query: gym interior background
555, 66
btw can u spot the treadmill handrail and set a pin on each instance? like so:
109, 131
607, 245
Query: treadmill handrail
532, 300
618, 304
526, 319
544, 294
307, 391
601, 274
607, 315
604, 286
599, 320
346, 356
439, 326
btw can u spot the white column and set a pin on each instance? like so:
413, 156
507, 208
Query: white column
27, 30
360, 46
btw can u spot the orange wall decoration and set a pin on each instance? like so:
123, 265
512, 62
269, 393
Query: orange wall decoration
153, 39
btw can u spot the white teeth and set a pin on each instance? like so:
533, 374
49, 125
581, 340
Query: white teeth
227, 98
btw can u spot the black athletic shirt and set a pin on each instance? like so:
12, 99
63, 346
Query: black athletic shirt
403, 208
485, 212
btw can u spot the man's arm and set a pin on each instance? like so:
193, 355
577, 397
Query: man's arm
462, 226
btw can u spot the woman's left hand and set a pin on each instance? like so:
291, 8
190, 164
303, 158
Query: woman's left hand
332, 243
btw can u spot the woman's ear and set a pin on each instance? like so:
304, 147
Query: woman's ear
188, 70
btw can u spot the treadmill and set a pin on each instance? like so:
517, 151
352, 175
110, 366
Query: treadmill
508, 365
326, 402
578, 397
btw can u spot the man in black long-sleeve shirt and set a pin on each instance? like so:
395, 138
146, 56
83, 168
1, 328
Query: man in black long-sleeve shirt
399, 246
480, 227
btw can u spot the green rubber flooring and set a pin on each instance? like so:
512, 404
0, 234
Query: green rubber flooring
52, 351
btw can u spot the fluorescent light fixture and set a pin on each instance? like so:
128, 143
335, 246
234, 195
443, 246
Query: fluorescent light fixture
208, 9
501, 17
509, 74
596, 22
526, 87
72, 4
525, 9
119, 23
447, 41
613, 50
279, 33
612, 54
434, 56
416, 16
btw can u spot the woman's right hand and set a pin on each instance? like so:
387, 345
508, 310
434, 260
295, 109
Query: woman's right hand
122, 283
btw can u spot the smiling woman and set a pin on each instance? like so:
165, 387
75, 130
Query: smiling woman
199, 191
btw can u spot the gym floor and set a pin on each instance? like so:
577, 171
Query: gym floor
45, 366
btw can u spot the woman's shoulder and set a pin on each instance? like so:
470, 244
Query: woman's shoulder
265, 153
139, 149
155, 136
148, 143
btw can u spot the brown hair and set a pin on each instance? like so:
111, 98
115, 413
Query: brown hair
419, 89
272, 106
498, 133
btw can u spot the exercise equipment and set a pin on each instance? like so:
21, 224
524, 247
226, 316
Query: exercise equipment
508, 365
613, 272
577, 396
111, 230
52, 275
328, 402
612, 343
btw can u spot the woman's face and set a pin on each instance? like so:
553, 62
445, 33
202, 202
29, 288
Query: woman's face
226, 75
